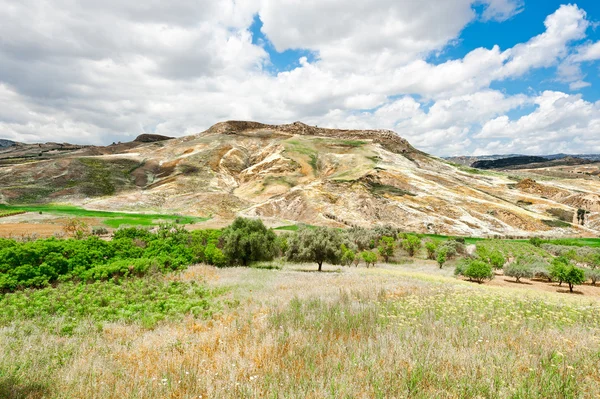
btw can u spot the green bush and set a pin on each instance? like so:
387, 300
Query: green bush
431, 248
478, 271
248, 240
347, 255
411, 244
386, 247
369, 258
441, 257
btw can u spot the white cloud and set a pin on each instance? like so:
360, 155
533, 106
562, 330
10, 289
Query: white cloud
99, 72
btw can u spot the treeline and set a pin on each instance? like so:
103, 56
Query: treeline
138, 251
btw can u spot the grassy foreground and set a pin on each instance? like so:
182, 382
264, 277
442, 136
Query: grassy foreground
387, 332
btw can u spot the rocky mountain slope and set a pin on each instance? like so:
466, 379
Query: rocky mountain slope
300, 173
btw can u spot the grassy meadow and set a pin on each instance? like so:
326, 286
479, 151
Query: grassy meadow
348, 332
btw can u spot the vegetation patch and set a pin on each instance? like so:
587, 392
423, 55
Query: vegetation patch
381, 189
555, 223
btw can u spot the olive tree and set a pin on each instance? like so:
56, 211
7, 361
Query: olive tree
518, 270
321, 244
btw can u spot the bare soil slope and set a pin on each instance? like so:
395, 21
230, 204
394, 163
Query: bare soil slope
300, 173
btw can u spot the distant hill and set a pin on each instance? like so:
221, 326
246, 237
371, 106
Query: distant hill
6, 143
469, 160
507, 162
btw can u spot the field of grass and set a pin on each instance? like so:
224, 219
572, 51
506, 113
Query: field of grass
110, 219
291, 333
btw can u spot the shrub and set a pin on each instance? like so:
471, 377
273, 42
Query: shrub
478, 271
99, 231
411, 244
431, 248
518, 270
248, 240
536, 241
369, 258
441, 257
347, 256
496, 259
386, 247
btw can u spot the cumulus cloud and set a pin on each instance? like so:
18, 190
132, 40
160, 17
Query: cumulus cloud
97, 72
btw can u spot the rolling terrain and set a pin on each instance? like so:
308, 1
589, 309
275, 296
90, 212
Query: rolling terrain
297, 173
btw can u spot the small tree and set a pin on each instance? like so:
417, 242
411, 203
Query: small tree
441, 257
369, 257
386, 247
518, 270
431, 248
574, 276
478, 271
497, 260
347, 255
411, 244
321, 244
248, 240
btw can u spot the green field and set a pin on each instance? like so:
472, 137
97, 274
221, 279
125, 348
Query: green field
111, 219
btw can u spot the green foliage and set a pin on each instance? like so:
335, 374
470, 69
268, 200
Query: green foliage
574, 276
558, 269
131, 252
535, 241
369, 258
441, 257
496, 260
146, 300
248, 240
518, 270
348, 256
411, 244
431, 248
476, 270
319, 245
386, 247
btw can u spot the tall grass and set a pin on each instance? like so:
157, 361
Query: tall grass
360, 333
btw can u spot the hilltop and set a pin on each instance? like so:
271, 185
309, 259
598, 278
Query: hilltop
295, 173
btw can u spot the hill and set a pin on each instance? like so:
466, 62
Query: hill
6, 143
507, 162
295, 173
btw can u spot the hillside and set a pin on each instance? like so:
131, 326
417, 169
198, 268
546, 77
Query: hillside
507, 162
298, 173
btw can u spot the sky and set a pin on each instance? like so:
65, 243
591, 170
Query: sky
454, 77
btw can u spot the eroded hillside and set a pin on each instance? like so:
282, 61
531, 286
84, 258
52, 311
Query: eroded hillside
301, 173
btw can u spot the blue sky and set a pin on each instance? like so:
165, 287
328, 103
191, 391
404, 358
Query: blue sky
452, 77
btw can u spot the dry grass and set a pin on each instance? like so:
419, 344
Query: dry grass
394, 332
